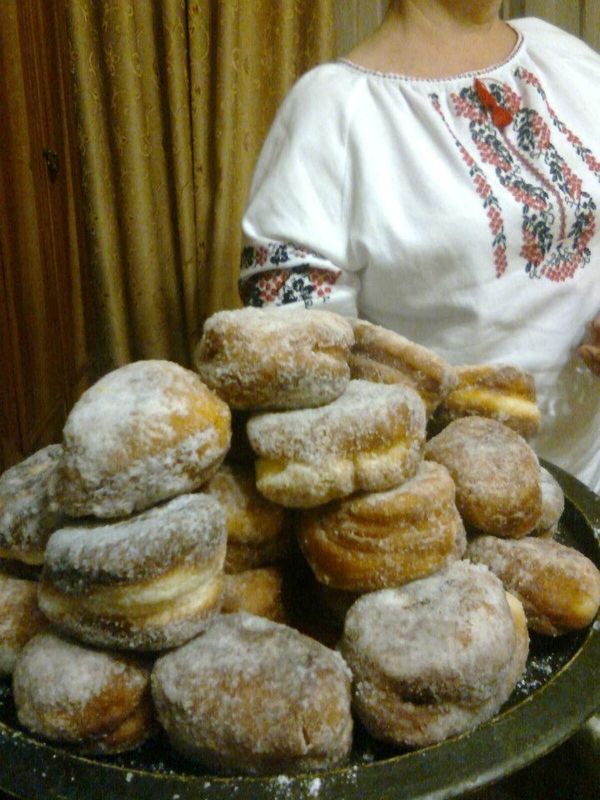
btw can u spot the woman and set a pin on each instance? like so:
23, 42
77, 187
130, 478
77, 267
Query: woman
444, 181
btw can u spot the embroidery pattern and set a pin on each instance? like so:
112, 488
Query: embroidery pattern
555, 242
484, 190
260, 284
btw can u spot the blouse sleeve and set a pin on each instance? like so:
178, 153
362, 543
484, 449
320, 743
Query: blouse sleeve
295, 229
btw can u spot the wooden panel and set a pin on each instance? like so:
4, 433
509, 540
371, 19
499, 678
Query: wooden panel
590, 23
39, 228
10, 436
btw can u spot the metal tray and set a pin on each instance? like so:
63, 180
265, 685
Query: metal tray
559, 691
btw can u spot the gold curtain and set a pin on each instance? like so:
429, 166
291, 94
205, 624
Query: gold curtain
174, 99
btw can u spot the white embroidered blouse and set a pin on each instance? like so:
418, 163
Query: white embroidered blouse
462, 213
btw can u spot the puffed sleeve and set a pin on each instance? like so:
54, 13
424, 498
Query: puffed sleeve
295, 227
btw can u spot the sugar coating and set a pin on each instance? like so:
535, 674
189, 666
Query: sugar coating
56, 680
26, 519
432, 658
143, 433
445, 637
367, 415
497, 475
269, 358
558, 586
189, 529
384, 355
252, 695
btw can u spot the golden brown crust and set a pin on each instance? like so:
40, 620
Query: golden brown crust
383, 356
502, 392
497, 475
378, 540
256, 591
98, 701
558, 586
258, 531
275, 358
20, 619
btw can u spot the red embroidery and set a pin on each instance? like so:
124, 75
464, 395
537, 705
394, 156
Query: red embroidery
483, 189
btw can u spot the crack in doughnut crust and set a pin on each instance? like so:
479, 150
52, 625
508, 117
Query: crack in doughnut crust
275, 358
384, 539
145, 583
96, 700
497, 475
20, 619
258, 531
558, 586
26, 516
369, 439
435, 657
498, 391
383, 356
144, 433
253, 696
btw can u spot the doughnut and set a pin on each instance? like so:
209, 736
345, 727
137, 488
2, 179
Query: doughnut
100, 702
499, 391
26, 516
558, 586
257, 591
253, 696
369, 439
144, 433
258, 531
497, 475
145, 583
275, 359
553, 505
383, 356
382, 539
436, 657
20, 619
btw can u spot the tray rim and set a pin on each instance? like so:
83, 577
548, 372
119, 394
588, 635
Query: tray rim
503, 745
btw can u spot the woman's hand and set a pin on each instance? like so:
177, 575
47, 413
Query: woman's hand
589, 349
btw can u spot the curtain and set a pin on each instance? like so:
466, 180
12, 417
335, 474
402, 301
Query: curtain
173, 100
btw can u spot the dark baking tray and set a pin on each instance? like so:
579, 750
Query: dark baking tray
559, 691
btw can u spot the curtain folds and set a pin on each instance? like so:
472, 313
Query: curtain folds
174, 99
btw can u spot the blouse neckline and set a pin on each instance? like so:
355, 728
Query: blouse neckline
397, 76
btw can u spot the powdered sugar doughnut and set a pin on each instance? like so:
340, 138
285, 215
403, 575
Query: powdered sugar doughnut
384, 356
435, 657
145, 583
98, 701
558, 586
258, 531
20, 619
499, 391
253, 696
382, 539
143, 433
26, 518
497, 475
275, 359
369, 439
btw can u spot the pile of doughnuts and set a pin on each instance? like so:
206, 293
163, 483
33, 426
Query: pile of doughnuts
321, 522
